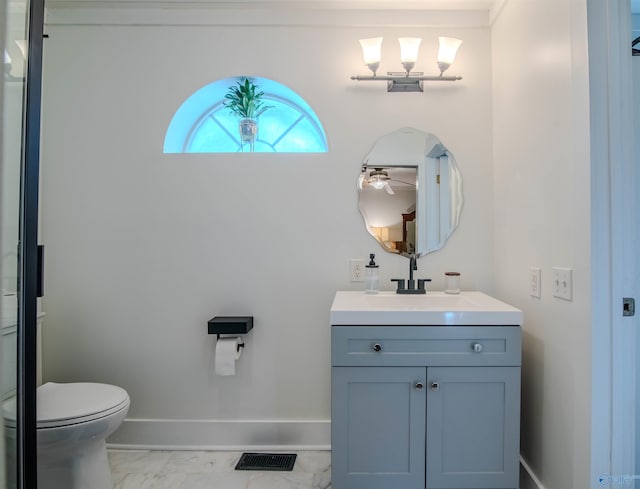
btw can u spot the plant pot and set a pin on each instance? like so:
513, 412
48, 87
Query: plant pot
248, 132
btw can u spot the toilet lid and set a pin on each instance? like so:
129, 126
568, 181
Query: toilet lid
78, 402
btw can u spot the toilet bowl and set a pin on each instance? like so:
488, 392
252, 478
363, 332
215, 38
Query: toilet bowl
73, 422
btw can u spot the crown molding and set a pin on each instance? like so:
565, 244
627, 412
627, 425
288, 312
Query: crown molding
357, 13
400, 5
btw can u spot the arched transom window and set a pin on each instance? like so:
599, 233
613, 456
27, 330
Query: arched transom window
203, 124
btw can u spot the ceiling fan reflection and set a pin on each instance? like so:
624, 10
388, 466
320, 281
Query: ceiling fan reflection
379, 179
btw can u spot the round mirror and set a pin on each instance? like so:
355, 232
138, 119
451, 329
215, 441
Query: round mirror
410, 192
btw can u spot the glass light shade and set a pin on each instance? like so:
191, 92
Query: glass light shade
371, 50
409, 49
447, 51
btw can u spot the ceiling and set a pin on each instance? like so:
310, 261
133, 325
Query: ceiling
341, 4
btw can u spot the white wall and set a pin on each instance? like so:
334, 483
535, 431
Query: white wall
143, 248
542, 209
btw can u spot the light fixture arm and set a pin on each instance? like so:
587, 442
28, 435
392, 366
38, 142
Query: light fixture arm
402, 77
401, 82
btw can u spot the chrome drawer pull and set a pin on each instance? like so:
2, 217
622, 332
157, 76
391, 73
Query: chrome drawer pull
477, 347
419, 386
377, 347
435, 386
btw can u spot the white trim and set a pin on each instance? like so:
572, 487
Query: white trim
496, 10
194, 14
222, 448
195, 434
457, 5
613, 230
528, 478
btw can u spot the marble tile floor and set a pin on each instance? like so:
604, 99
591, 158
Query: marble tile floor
150, 469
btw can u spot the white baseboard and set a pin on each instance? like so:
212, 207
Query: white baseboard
190, 434
528, 479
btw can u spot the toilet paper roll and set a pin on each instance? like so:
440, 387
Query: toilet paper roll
227, 352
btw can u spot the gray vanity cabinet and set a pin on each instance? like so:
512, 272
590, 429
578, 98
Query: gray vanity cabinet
472, 427
378, 426
435, 407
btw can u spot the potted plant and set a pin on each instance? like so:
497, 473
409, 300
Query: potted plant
245, 100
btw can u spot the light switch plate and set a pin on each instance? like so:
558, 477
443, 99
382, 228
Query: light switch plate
562, 283
534, 282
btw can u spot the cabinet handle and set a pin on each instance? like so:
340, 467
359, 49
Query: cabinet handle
435, 386
419, 386
477, 347
377, 347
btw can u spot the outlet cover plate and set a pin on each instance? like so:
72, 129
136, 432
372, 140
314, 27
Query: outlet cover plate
356, 269
562, 283
534, 282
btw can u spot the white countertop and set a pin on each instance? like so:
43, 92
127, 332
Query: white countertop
432, 308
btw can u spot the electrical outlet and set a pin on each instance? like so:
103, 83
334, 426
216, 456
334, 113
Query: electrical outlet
534, 282
562, 283
356, 269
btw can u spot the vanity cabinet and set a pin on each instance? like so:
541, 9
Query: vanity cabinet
422, 406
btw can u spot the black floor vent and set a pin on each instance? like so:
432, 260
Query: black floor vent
266, 461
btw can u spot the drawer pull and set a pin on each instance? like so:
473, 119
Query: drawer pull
419, 386
377, 347
477, 347
435, 386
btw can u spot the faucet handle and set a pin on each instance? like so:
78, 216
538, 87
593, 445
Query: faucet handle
400, 282
421, 282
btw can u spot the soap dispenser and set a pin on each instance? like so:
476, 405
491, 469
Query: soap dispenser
371, 276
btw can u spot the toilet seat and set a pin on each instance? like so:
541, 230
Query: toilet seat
78, 402
68, 404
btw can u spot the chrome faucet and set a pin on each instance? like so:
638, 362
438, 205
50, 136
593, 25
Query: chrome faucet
411, 286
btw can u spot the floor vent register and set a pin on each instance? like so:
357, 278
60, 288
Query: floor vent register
266, 461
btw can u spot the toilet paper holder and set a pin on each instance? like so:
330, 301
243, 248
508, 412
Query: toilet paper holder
230, 325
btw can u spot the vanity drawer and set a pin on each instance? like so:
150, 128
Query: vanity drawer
425, 345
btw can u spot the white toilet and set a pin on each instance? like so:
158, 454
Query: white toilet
73, 422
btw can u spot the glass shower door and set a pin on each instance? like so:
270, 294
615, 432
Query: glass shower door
635, 67
19, 266
11, 143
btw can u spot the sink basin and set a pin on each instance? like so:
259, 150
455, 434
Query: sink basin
433, 308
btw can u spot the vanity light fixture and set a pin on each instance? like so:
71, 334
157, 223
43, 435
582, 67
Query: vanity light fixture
408, 81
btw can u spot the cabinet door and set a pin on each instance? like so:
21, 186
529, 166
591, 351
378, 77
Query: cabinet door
377, 427
473, 427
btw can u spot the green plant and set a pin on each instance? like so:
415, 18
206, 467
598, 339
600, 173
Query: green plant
245, 100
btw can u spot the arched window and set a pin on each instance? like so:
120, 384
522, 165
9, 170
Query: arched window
203, 124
